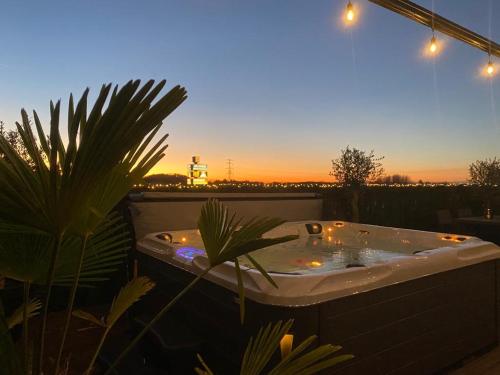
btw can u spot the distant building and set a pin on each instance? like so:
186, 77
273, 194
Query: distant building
197, 173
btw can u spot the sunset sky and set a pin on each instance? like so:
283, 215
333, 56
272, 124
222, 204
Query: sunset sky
279, 86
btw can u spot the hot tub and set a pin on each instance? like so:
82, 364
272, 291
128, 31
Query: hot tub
401, 301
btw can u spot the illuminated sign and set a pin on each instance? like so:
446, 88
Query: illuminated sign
197, 173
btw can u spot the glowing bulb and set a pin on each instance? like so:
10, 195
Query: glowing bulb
349, 15
433, 46
490, 69
183, 239
286, 344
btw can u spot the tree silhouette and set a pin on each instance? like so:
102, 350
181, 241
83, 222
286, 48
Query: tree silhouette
486, 173
354, 169
14, 139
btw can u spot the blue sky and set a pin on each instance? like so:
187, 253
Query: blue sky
278, 86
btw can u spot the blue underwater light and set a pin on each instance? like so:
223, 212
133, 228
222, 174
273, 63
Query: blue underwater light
189, 253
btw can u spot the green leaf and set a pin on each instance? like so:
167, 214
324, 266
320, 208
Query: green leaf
9, 357
89, 317
25, 253
128, 295
299, 362
206, 370
260, 350
225, 240
262, 270
16, 317
241, 290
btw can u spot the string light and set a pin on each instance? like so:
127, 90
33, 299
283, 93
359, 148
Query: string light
349, 14
433, 47
490, 69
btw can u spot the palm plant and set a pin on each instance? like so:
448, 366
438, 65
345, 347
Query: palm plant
56, 227
225, 239
299, 361
129, 294
60, 202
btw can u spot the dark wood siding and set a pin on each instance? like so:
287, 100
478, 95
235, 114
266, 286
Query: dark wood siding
415, 327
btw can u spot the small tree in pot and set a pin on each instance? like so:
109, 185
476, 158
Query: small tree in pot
354, 169
486, 174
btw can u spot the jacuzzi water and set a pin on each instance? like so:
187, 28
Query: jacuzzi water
340, 258
338, 246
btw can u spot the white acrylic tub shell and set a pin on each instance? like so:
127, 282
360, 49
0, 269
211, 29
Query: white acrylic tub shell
312, 288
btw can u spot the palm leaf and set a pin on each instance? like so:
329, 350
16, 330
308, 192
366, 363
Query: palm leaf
55, 196
129, 294
261, 270
106, 249
241, 289
89, 317
9, 358
25, 254
206, 370
16, 317
225, 240
69, 190
261, 349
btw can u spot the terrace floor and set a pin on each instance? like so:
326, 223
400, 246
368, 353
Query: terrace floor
486, 364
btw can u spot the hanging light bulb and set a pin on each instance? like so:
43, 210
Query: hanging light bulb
349, 14
490, 69
433, 47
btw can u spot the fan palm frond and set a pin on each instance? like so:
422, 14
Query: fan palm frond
54, 196
226, 240
206, 370
89, 317
106, 250
299, 361
261, 349
66, 191
128, 295
25, 253
32, 309
9, 357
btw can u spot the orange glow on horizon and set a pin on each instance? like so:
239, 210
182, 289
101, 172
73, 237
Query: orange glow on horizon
427, 175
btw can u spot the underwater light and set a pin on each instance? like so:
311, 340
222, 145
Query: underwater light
189, 253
